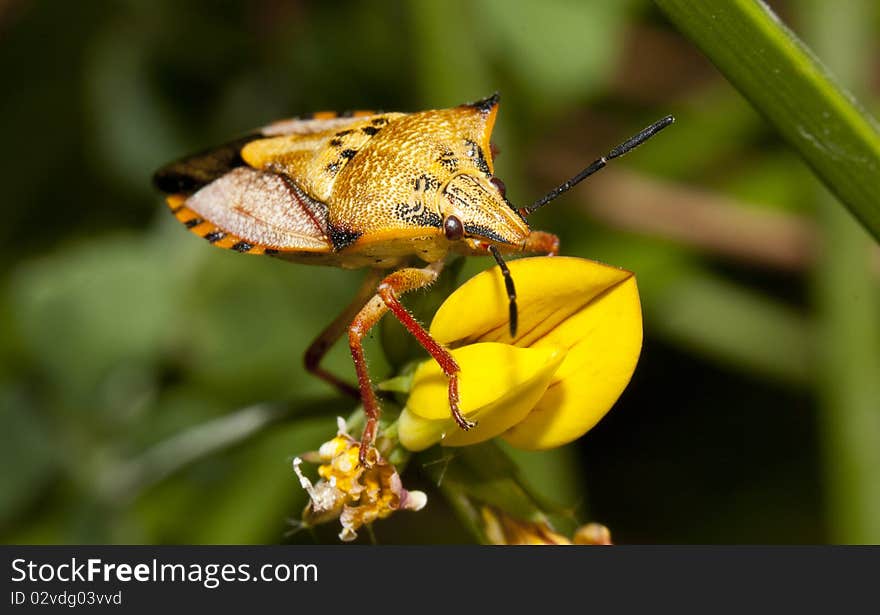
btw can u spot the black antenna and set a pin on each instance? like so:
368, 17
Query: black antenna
620, 150
511, 289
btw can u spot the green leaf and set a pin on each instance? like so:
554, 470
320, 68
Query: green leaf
245, 497
24, 445
733, 325
86, 309
125, 480
776, 72
584, 36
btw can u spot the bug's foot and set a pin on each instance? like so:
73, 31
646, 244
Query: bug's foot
462, 422
367, 456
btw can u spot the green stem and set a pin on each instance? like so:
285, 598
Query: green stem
848, 366
781, 78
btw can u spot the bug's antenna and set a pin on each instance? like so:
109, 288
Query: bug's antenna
511, 289
630, 144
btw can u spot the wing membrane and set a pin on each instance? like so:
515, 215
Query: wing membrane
263, 209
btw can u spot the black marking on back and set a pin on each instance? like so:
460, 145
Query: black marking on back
479, 157
425, 182
332, 168
482, 231
243, 246
379, 121
485, 105
369, 130
192, 172
336, 142
348, 154
342, 133
448, 160
194, 222
417, 215
342, 237
215, 236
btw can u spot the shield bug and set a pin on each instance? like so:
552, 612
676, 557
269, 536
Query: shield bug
382, 191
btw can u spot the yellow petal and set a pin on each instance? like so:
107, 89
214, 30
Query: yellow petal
489, 371
549, 290
416, 433
603, 339
498, 385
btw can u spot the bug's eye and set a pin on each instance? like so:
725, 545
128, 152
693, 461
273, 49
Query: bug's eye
453, 228
499, 185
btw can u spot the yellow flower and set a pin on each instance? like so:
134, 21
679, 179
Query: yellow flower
592, 534
502, 529
357, 495
578, 341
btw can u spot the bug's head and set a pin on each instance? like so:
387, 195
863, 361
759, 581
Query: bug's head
475, 207
473, 201
474, 204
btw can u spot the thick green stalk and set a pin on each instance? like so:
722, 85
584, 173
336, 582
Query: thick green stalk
780, 77
848, 308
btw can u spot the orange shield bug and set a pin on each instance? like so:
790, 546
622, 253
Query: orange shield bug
383, 191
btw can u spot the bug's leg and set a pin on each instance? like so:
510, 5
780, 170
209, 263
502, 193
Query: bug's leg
390, 290
368, 316
388, 298
539, 242
322, 344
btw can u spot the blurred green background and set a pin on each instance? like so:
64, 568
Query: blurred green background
151, 388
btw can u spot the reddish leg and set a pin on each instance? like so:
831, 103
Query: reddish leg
387, 298
322, 344
539, 242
